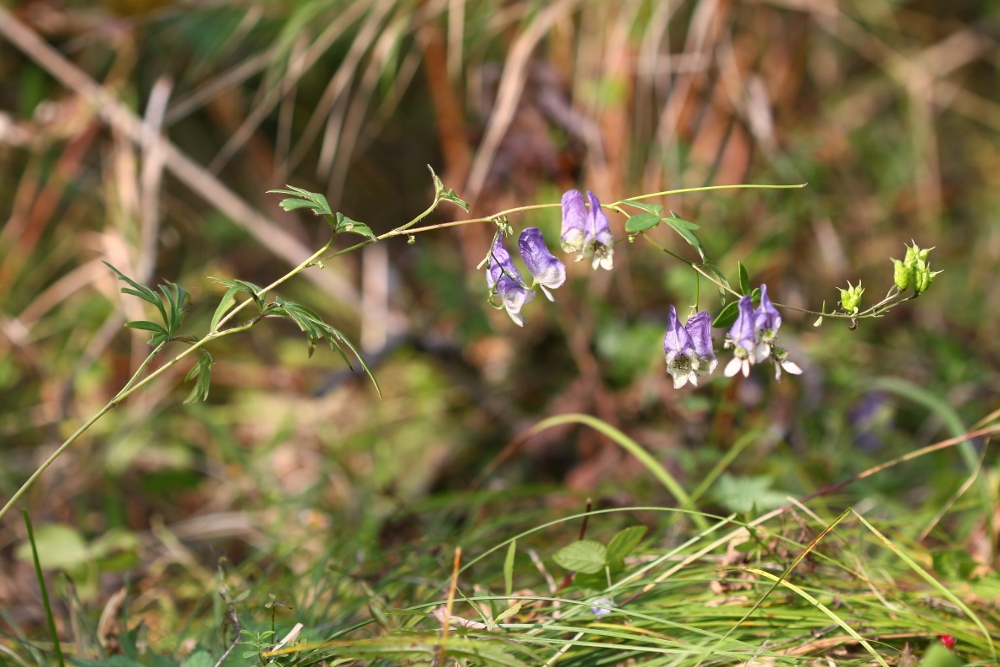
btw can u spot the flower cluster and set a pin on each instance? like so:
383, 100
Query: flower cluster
504, 280
688, 348
752, 338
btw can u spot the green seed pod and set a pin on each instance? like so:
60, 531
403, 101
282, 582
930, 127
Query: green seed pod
850, 298
900, 275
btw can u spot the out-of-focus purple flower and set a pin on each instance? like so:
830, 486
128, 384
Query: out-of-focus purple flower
766, 318
688, 348
504, 279
547, 271
601, 611
574, 223
599, 241
742, 338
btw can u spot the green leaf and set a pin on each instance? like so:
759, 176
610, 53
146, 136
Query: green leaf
176, 296
727, 316
585, 556
954, 564
447, 195
201, 373
228, 301
623, 543
147, 326
744, 278
140, 291
345, 224
59, 547
718, 273
743, 494
654, 209
939, 656
641, 222
508, 568
303, 199
507, 613
686, 231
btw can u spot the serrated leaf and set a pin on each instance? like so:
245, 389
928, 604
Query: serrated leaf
345, 224
624, 542
641, 222
585, 556
744, 278
654, 209
508, 568
727, 316
686, 231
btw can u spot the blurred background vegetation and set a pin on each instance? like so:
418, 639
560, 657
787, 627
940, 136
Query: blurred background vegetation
293, 467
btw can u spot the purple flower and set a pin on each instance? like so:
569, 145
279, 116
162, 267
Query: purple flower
752, 338
688, 348
601, 609
504, 279
599, 241
547, 271
766, 319
574, 223
779, 356
742, 337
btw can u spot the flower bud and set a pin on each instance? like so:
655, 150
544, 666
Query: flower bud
850, 298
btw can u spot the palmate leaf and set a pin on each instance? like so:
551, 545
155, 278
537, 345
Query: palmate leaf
303, 199
320, 206
201, 373
228, 300
316, 330
686, 230
171, 306
140, 291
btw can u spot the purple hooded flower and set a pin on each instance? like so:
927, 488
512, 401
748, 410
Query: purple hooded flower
742, 337
547, 271
688, 348
599, 241
574, 223
766, 319
504, 279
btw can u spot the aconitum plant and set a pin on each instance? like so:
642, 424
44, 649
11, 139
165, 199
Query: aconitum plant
749, 316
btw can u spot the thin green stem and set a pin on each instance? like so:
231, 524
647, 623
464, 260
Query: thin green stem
134, 384
706, 188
